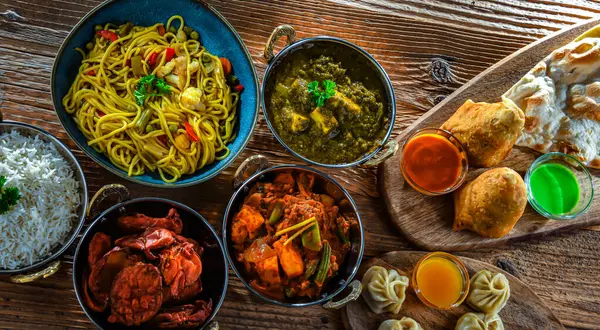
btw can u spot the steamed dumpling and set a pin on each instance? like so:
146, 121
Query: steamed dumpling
479, 321
406, 323
489, 292
384, 290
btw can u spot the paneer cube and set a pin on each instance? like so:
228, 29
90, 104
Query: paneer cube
290, 259
339, 100
325, 122
251, 218
268, 270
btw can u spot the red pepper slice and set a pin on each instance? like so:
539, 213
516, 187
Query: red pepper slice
92, 73
100, 114
238, 88
190, 130
163, 139
152, 60
169, 53
108, 35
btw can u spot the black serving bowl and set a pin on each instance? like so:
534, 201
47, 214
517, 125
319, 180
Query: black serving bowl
351, 263
50, 264
360, 65
214, 273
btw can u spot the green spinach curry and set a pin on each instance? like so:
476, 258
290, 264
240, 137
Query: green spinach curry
323, 114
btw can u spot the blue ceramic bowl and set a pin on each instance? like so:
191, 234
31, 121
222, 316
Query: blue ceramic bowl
216, 34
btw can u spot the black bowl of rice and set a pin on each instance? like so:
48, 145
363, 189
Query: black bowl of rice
51, 209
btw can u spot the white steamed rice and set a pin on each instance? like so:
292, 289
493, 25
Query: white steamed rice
47, 210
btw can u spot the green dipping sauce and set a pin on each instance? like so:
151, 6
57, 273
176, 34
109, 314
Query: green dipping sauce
554, 188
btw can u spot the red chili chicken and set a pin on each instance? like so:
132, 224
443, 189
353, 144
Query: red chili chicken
140, 287
290, 239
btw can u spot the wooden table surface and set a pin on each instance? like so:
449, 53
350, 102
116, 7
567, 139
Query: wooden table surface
428, 47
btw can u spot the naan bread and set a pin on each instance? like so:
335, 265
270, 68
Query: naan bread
560, 97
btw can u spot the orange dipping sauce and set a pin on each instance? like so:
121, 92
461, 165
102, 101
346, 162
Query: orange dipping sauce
440, 282
432, 162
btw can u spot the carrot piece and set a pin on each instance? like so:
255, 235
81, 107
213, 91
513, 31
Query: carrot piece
161, 30
226, 66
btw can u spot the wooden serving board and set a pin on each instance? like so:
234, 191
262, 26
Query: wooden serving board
427, 221
524, 310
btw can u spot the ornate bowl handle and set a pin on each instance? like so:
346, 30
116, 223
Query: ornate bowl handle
117, 190
1, 116
389, 150
280, 31
214, 325
251, 165
356, 290
44, 273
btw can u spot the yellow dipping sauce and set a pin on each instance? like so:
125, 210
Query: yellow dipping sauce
440, 281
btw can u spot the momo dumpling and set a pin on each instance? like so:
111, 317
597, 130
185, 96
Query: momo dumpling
384, 291
406, 323
489, 292
479, 321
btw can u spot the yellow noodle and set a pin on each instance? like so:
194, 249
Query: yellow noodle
102, 103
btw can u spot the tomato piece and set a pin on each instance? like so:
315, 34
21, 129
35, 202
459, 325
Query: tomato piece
238, 88
108, 35
190, 130
226, 66
169, 54
152, 60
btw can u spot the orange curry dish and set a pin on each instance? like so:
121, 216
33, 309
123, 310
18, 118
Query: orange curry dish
290, 239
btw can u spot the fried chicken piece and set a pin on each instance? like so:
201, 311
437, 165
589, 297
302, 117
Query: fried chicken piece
136, 295
88, 298
140, 222
106, 269
151, 239
180, 266
186, 316
99, 246
186, 294
487, 130
491, 204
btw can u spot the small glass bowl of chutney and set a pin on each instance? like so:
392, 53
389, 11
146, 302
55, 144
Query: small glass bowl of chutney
433, 161
559, 186
440, 280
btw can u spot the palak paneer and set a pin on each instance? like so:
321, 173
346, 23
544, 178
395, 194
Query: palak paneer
323, 114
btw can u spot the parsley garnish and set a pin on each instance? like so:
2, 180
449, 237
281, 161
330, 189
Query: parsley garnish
147, 85
8, 196
320, 95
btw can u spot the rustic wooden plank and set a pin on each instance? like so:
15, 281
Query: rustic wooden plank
408, 38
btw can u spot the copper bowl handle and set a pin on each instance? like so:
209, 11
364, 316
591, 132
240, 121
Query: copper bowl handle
389, 150
119, 191
356, 291
44, 273
280, 31
250, 166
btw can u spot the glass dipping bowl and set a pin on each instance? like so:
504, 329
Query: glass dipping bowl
584, 179
466, 281
452, 139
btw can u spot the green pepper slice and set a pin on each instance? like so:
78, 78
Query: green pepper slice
311, 239
324, 265
276, 213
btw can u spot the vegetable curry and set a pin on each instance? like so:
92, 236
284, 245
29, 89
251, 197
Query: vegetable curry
291, 240
325, 112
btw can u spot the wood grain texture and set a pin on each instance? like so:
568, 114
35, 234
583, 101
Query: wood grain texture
524, 309
410, 39
427, 221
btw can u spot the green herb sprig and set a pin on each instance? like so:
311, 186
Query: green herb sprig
8, 196
319, 96
146, 87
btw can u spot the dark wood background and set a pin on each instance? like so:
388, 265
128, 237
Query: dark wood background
428, 47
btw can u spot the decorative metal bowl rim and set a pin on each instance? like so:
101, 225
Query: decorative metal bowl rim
239, 191
122, 173
387, 86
